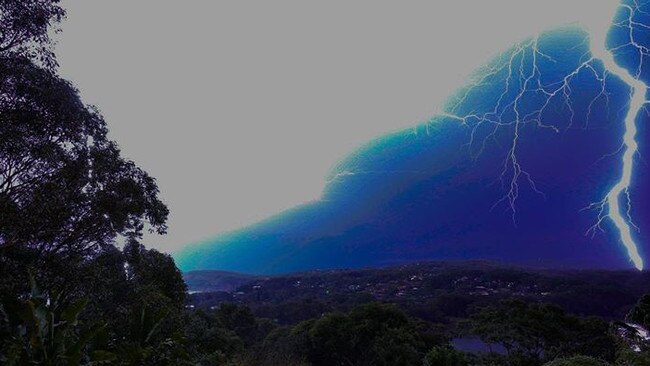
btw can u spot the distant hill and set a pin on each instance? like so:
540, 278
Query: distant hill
209, 281
435, 291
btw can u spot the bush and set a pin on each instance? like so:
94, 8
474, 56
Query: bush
577, 361
445, 356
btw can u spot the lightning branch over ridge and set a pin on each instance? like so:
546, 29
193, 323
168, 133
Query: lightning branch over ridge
526, 97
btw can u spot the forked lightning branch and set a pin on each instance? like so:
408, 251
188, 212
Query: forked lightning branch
523, 76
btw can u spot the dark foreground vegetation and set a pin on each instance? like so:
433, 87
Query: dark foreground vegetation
77, 287
470, 313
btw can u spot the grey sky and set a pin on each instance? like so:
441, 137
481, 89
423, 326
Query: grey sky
239, 109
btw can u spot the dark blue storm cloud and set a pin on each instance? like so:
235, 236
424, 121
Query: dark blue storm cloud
513, 172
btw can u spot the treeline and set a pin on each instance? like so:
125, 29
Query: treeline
520, 333
435, 291
514, 332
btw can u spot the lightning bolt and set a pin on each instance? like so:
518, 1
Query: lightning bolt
610, 207
523, 78
526, 97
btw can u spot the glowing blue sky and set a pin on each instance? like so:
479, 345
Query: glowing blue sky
240, 110
515, 170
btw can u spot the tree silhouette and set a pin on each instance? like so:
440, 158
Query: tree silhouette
24, 26
65, 190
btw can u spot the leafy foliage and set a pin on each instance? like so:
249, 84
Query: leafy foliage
640, 314
534, 332
445, 356
629, 357
41, 330
144, 346
24, 26
577, 361
65, 191
372, 334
